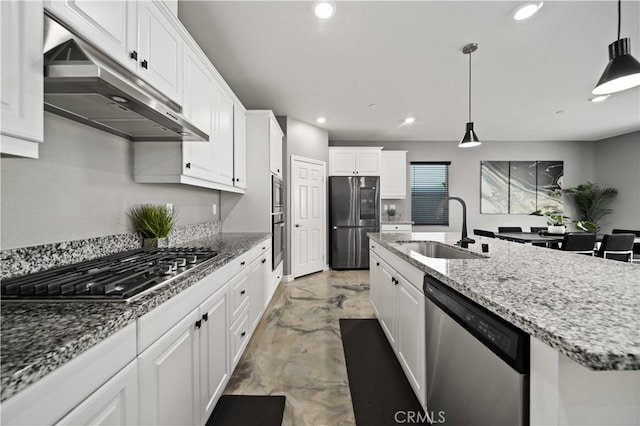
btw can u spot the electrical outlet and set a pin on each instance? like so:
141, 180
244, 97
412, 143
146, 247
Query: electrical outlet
214, 209
169, 207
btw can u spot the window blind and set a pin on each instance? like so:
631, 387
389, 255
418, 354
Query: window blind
429, 186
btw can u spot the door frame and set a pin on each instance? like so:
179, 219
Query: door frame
323, 211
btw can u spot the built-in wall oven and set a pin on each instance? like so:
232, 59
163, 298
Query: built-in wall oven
277, 221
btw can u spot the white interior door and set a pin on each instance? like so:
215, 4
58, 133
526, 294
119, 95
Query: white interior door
309, 213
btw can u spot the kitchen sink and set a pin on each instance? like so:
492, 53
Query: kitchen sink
438, 250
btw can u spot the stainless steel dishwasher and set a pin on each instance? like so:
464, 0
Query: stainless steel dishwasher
477, 363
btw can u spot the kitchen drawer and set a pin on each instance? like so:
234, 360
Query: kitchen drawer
239, 336
240, 263
260, 249
239, 291
393, 227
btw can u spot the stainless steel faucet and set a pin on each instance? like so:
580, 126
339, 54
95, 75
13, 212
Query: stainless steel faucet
465, 240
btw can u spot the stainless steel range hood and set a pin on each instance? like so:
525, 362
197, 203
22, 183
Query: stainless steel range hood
83, 84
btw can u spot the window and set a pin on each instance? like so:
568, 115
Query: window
429, 186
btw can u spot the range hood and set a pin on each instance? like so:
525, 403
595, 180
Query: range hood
83, 84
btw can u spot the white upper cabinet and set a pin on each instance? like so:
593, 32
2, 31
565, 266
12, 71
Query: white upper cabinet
110, 25
22, 79
222, 138
160, 50
349, 161
141, 35
393, 176
239, 146
275, 145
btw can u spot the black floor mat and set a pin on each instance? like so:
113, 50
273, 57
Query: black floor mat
249, 410
380, 391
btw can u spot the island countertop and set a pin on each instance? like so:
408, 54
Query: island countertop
585, 307
38, 338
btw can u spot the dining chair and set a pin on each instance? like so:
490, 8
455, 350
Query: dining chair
483, 233
617, 247
541, 229
509, 229
636, 246
582, 243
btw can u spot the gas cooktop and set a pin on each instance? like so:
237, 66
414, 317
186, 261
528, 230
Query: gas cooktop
122, 277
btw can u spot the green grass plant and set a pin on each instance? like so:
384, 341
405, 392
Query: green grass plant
153, 221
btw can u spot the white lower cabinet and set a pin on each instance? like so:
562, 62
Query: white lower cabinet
399, 304
115, 403
169, 376
260, 277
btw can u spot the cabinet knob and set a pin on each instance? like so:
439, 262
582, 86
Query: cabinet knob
188, 165
242, 292
377, 263
145, 64
298, 226
264, 260
278, 170
243, 334
198, 323
134, 55
205, 316
242, 263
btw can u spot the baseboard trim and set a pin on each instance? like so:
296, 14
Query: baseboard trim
326, 267
287, 278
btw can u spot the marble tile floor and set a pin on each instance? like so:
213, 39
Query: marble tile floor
296, 349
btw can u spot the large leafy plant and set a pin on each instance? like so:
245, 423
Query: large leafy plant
590, 201
153, 221
553, 218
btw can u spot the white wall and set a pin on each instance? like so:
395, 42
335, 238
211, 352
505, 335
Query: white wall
464, 174
303, 140
81, 187
618, 166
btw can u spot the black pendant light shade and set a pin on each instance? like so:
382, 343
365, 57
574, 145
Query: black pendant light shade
623, 70
470, 138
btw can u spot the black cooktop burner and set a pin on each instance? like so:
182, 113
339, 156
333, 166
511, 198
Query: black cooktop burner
120, 277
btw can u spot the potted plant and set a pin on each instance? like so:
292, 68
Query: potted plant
590, 199
555, 221
391, 213
154, 223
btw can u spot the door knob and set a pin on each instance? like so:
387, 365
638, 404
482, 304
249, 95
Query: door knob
297, 225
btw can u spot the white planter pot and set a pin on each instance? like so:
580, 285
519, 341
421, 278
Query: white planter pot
553, 229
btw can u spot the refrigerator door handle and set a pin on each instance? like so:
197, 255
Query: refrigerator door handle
335, 227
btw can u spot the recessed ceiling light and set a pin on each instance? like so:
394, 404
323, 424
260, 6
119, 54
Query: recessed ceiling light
527, 10
119, 99
409, 120
599, 98
324, 9
321, 120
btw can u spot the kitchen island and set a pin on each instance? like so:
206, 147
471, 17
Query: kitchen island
582, 313
40, 340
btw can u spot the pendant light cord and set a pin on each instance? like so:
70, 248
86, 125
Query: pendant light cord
619, 14
469, 87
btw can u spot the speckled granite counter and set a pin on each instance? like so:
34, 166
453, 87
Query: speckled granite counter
37, 338
586, 308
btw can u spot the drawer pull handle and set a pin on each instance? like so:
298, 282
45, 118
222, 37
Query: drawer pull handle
134, 55
198, 323
205, 316
242, 293
145, 64
242, 263
243, 334
377, 263
264, 260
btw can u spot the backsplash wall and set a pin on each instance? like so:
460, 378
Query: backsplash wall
82, 187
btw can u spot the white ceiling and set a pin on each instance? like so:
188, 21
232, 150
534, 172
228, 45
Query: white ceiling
531, 80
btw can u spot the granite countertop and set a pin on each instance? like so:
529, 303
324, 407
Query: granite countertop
37, 338
587, 308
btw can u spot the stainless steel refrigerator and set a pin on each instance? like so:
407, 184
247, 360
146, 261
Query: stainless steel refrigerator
354, 203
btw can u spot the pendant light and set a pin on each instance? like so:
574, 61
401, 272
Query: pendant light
470, 138
623, 70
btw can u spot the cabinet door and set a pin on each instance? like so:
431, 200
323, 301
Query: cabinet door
393, 175
168, 386
368, 163
267, 279
388, 305
411, 335
222, 137
239, 147
22, 81
159, 51
342, 162
375, 282
239, 288
115, 403
198, 107
258, 284
275, 145
109, 25
239, 335
214, 351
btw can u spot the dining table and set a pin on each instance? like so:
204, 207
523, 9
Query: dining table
535, 237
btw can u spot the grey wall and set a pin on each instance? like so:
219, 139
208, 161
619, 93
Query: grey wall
618, 166
303, 140
464, 174
81, 187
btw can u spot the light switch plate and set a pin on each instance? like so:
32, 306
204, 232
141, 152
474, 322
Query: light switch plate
214, 209
169, 207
